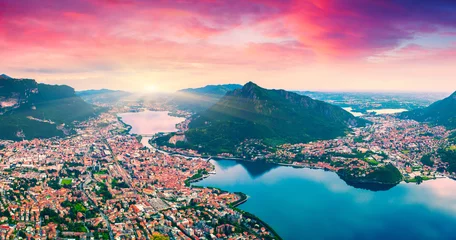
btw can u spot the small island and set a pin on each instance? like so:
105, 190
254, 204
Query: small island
376, 179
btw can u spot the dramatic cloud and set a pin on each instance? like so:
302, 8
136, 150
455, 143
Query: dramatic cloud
182, 43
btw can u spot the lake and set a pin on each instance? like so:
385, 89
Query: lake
150, 122
304, 203
377, 111
387, 110
350, 110
316, 204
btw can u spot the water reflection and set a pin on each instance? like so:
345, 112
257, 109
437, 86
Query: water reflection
150, 122
253, 169
314, 204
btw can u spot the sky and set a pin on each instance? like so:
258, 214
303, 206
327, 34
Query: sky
166, 45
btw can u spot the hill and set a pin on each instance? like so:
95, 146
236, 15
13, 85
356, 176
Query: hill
4, 76
200, 99
275, 116
442, 112
95, 92
102, 96
32, 110
380, 179
219, 90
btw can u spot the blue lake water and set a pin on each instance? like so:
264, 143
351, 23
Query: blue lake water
315, 204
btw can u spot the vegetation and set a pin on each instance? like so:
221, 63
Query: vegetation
49, 215
78, 207
66, 181
115, 183
427, 161
448, 156
387, 174
418, 179
201, 173
101, 172
158, 236
452, 137
276, 116
54, 184
103, 96
371, 161
41, 110
103, 191
200, 99
442, 112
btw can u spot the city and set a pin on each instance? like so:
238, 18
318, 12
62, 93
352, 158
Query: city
227, 120
103, 184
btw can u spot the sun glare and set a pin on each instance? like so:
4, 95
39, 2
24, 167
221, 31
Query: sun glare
150, 88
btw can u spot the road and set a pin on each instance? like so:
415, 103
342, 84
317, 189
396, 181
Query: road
111, 236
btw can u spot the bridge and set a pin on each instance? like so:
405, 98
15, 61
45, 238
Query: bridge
146, 135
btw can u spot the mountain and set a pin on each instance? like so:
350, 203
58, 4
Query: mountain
33, 110
275, 116
442, 112
95, 92
4, 76
102, 96
200, 99
219, 90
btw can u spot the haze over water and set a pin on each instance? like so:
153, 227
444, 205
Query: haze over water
150, 122
315, 204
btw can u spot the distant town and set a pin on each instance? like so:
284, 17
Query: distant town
408, 145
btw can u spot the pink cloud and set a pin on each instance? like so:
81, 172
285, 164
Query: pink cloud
166, 35
330, 27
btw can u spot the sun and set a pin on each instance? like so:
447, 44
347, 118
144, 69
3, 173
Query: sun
150, 88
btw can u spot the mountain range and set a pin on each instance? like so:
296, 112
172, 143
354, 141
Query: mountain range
200, 99
4, 76
34, 110
102, 96
275, 116
218, 90
442, 112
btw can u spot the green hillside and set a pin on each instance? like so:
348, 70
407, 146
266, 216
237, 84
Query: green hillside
219, 90
103, 96
39, 110
200, 99
442, 112
276, 116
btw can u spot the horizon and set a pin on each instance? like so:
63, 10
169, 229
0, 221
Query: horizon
165, 46
242, 84
227, 119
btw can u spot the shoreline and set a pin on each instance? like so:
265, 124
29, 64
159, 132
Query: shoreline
358, 184
355, 184
234, 205
190, 181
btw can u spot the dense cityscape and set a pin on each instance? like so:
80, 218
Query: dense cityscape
104, 184
227, 120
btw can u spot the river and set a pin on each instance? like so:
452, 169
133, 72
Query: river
315, 204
